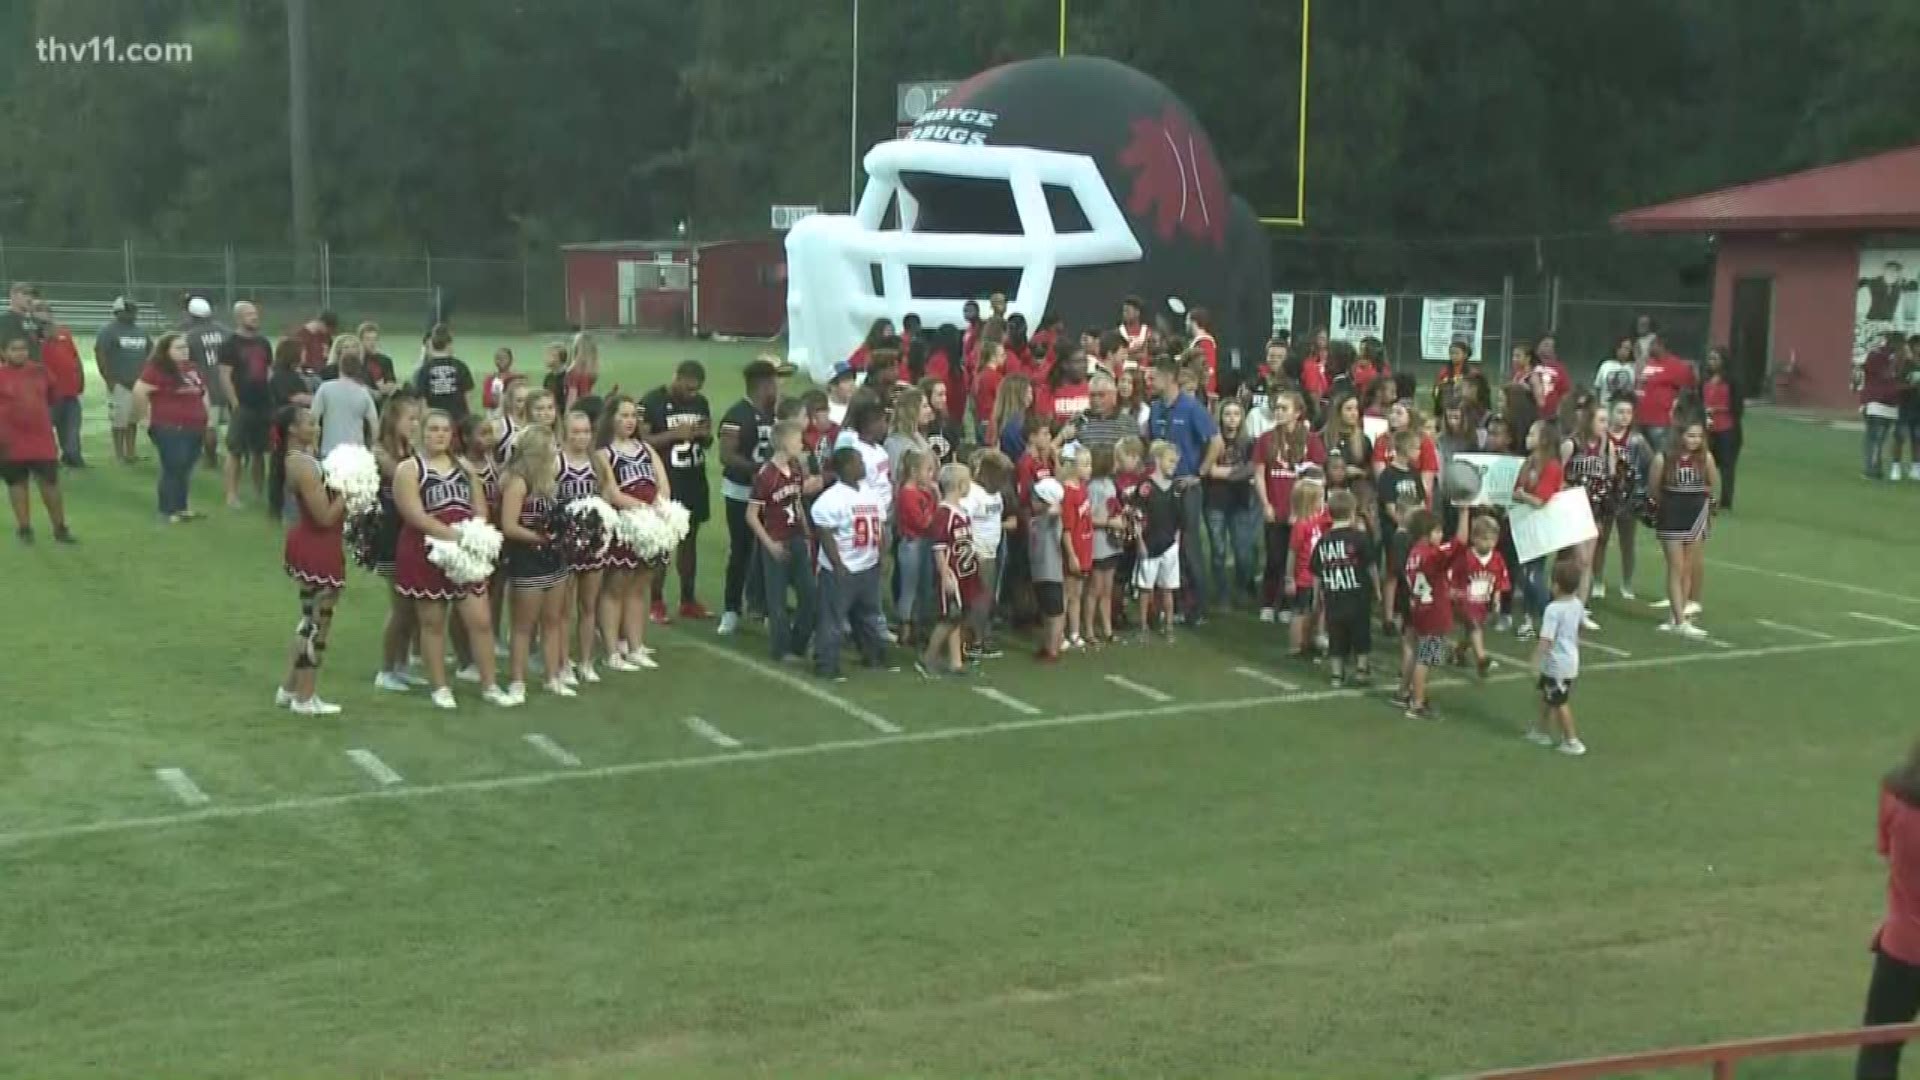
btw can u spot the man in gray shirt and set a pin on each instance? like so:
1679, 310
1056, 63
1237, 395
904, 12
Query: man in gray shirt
1104, 424
344, 408
18, 318
204, 339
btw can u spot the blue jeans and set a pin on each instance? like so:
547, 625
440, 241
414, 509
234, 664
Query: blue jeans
796, 570
179, 450
852, 601
913, 559
1239, 531
1873, 456
66, 428
1533, 588
1193, 580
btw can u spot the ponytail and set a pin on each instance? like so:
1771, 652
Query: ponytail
278, 431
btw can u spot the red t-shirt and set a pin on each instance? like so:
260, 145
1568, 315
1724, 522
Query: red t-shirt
777, 493
1899, 844
1547, 484
1019, 361
1031, 471
1476, 582
1076, 521
1313, 375
179, 398
1661, 382
1718, 397
1362, 373
313, 349
970, 342
1554, 384
914, 506
1279, 474
1305, 536
1429, 588
986, 387
62, 358
1428, 459
1210, 352
857, 359
580, 383
1068, 401
493, 392
953, 545
26, 416
1879, 383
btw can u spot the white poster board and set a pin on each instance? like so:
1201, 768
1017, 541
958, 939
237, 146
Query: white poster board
1566, 520
1886, 297
1498, 474
1446, 320
1356, 317
1373, 427
1282, 313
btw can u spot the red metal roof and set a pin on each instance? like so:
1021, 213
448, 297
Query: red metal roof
1877, 192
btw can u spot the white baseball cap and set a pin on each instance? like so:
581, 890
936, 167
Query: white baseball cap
199, 308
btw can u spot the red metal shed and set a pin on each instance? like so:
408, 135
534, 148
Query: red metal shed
732, 287
1810, 269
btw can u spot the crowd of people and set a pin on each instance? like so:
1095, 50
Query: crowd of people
945, 484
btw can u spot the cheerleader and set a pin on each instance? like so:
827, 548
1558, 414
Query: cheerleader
1632, 459
513, 419
476, 442
399, 425
434, 491
535, 571
1683, 481
630, 476
1594, 467
312, 555
578, 480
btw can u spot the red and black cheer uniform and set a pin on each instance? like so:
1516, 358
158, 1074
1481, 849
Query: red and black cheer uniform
633, 474
447, 497
313, 555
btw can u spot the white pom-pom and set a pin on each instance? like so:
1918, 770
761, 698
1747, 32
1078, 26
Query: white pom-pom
351, 470
654, 530
679, 521
597, 507
468, 559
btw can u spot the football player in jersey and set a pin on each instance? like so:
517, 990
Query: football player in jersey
680, 427
746, 436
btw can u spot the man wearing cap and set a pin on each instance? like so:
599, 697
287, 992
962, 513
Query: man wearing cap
18, 320
119, 353
204, 338
840, 389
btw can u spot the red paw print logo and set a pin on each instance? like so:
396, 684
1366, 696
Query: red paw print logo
1176, 179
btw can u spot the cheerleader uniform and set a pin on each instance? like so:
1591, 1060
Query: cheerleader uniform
534, 566
1684, 508
1591, 465
633, 472
489, 484
386, 530
313, 555
579, 482
447, 497
509, 431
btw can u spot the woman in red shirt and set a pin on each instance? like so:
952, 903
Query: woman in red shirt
1541, 478
26, 439
1280, 454
1893, 993
1726, 413
881, 330
173, 398
986, 391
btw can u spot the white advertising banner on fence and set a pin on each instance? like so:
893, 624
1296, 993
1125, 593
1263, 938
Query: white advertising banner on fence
1282, 313
1566, 520
1356, 317
1498, 474
1447, 320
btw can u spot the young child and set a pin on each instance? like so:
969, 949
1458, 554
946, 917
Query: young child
1342, 562
1557, 658
1479, 576
1159, 504
1500, 441
1076, 522
1310, 523
1046, 566
1129, 472
1429, 609
1107, 512
986, 504
958, 569
494, 393
27, 446
914, 505
849, 524
774, 513
1399, 543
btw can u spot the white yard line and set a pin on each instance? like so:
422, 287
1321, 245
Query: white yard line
182, 786
712, 734
370, 763
1825, 583
1601, 646
1008, 700
554, 750
1512, 661
1789, 628
1142, 689
800, 683
1266, 677
842, 746
1884, 621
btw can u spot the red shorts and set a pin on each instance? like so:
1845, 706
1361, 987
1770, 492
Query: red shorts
954, 609
1474, 615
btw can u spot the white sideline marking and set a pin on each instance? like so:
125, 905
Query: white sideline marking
1008, 700
796, 682
1601, 646
182, 786
1884, 621
841, 746
1143, 690
1269, 679
1511, 661
371, 764
712, 734
1789, 628
551, 749
1858, 590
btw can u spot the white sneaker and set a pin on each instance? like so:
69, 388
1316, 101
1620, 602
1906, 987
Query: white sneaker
1322, 642
569, 676
1077, 643
313, 706
518, 692
443, 698
282, 697
1286, 616
1525, 632
411, 679
1626, 592
1688, 630
1266, 614
499, 697
1538, 737
388, 680
1661, 604
1587, 623
729, 622
1693, 608
586, 673
1599, 591
1664, 627
1573, 748
890, 637
617, 662
561, 689
643, 659
470, 673
1893, 471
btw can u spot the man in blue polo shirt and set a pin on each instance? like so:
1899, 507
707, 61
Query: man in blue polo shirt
1178, 417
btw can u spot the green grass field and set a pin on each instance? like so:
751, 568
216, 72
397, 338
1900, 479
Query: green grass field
1254, 877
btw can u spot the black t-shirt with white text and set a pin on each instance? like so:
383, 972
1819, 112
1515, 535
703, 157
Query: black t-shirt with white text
1343, 565
446, 382
751, 433
1393, 483
686, 456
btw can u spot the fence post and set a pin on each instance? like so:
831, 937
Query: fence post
227, 269
526, 303
326, 275
126, 263
3, 260
1506, 325
1553, 306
